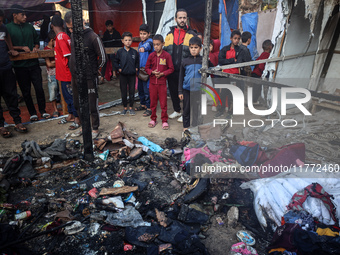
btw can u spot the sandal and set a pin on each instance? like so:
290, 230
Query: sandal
95, 135
20, 128
55, 114
152, 124
5, 133
34, 118
147, 113
165, 125
74, 126
64, 121
140, 108
46, 115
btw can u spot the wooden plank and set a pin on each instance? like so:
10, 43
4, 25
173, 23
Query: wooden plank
50, 54
117, 191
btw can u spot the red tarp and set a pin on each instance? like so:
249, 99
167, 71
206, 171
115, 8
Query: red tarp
126, 16
199, 27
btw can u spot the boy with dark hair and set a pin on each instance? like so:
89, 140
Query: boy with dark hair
111, 39
159, 66
51, 78
127, 63
190, 82
267, 47
145, 48
8, 87
25, 39
245, 55
228, 55
63, 73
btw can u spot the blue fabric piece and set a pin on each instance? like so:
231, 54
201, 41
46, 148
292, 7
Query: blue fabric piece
225, 28
245, 156
192, 78
152, 146
232, 13
249, 23
143, 56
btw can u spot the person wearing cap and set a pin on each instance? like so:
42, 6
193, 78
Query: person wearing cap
145, 48
27, 72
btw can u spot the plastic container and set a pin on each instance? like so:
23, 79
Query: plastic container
23, 215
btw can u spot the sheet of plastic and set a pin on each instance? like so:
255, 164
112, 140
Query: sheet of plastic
249, 23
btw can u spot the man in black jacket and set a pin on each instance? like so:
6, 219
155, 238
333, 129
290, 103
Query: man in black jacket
97, 57
111, 38
176, 43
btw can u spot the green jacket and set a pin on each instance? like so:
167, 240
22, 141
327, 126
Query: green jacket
23, 35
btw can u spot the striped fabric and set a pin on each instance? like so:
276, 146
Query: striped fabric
5, 4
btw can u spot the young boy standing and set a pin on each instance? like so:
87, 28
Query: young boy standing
267, 47
190, 82
159, 65
245, 55
51, 79
229, 55
63, 73
145, 48
127, 63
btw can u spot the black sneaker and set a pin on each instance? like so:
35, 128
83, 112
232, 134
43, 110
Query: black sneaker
124, 112
219, 113
132, 112
229, 116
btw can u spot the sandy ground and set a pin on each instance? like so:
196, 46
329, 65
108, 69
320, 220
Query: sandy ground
44, 132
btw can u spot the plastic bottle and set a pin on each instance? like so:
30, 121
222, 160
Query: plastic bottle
23, 215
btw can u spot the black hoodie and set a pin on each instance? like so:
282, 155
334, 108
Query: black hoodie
96, 52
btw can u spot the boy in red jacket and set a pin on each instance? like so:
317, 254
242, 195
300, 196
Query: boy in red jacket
267, 47
159, 66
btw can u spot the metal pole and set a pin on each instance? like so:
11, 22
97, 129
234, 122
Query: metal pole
81, 63
206, 43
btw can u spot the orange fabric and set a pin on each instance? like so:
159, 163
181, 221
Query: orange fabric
199, 27
278, 249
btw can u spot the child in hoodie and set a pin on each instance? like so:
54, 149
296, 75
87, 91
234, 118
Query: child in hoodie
190, 82
159, 65
145, 48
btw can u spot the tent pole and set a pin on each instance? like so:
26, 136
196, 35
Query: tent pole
81, 63
206, 44
220, 26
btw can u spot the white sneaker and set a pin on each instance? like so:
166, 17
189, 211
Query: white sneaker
175, 115
180, 119
214, 109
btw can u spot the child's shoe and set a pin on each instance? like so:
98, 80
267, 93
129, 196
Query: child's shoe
132, 112
124, 112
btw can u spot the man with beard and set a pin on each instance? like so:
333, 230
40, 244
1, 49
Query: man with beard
177, 45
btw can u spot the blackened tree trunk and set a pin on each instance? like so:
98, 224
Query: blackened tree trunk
81, 63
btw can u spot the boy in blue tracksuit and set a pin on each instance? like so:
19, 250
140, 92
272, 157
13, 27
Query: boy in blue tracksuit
189, 82
145, 48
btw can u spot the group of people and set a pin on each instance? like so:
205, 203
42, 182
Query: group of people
175, 61
18, 35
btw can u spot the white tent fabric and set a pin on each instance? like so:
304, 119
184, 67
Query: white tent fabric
168, 17
265, 27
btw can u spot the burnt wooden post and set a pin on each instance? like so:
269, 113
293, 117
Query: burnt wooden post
206, 43
81, 62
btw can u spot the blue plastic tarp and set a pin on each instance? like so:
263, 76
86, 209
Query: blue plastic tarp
225, 28
229, 20
232, 13
249, 23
